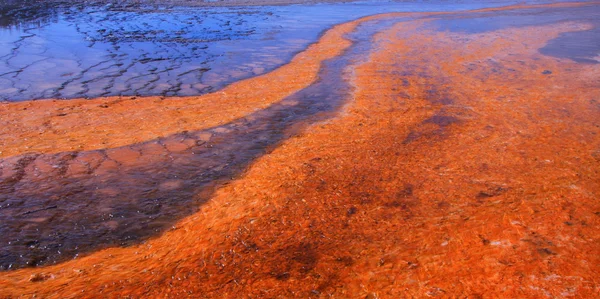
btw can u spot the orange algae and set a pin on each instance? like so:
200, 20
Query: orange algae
51, 126
454, 171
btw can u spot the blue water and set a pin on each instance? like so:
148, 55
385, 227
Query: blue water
71, 51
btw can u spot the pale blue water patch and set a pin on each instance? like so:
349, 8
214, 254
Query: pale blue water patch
69, 51
580, 46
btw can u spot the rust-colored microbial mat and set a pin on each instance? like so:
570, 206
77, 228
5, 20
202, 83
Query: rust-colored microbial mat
403, 155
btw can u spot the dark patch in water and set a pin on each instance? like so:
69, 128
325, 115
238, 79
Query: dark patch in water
579, 46
441, 120
16, 13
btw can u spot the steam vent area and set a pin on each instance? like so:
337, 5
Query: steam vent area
299, 149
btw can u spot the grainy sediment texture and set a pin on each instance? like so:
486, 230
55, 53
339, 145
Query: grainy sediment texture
464, 165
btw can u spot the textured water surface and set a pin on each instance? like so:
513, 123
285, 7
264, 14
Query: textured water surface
62, 50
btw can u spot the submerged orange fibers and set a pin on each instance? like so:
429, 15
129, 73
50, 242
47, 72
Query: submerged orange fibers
458, 169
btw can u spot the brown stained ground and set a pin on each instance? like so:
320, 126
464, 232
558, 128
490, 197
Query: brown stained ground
461, 167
